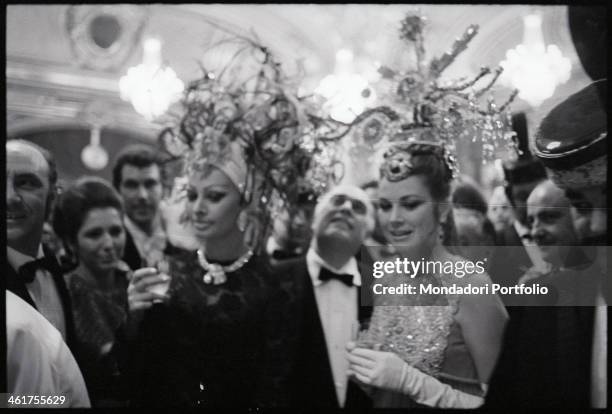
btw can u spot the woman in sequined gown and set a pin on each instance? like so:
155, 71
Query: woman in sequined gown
422, 349
219, 339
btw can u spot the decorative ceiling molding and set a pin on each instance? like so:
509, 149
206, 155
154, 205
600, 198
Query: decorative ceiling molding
103, 37
49, 104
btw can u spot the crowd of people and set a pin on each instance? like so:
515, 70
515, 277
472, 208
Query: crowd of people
114, 301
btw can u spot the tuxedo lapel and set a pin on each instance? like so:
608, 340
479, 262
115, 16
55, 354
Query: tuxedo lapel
317, 381
62, 290
364, 261
16, 285
131, 256
314, 382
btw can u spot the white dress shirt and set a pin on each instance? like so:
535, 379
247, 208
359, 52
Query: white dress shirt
42, 289
39, 362
337, 305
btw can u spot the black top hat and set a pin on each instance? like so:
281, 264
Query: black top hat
571, 140
525, 168
589, 28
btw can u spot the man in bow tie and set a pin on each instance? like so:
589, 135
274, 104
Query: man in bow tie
327, 283
33, 273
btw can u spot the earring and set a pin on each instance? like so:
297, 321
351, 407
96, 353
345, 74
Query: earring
242, 221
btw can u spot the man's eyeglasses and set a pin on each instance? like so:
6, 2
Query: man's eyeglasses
357, 206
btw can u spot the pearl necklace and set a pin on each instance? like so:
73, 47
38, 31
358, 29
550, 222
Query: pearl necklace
215, 273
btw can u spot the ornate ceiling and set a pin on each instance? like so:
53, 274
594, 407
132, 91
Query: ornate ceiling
58, 75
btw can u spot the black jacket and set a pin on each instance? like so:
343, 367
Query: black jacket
16, 285
312, 384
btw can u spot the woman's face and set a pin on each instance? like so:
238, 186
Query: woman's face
213, 204
406, 214
100, 240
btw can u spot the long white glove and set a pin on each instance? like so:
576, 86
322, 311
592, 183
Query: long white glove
388, 371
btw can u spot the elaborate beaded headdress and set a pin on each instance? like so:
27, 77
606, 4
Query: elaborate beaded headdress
417, 105
248, 121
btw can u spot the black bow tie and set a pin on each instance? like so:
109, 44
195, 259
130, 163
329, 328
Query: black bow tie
326, 274
27, 272
284, 254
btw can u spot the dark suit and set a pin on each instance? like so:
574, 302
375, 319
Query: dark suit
16, 285
545, 360
131, 256
312, 383
546, 355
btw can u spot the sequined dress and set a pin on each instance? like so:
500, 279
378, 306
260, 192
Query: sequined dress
214, 345
422, 330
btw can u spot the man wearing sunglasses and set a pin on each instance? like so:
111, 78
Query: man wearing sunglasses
326, 284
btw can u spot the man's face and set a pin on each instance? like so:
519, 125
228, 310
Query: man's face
343, 217
551, 223
500, 211
141, 191
520, 192
27, 193
590, 210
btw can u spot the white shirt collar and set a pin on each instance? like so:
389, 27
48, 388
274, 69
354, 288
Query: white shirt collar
314, 262
17, 259
140, 237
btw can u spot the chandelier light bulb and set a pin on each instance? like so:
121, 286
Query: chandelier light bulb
534, 68
151, 87
343, 90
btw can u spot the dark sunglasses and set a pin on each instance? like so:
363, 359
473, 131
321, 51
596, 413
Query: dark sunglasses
356, 205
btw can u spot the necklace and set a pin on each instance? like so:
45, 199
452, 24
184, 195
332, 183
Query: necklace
215, 273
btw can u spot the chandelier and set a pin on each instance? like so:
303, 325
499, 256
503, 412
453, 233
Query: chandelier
344, 89
94, 156
150, 86
533, 68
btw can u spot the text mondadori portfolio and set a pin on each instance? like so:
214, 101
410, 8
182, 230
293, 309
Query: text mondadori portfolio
463, 289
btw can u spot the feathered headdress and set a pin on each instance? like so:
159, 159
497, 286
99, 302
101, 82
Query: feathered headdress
249, 121
418, 106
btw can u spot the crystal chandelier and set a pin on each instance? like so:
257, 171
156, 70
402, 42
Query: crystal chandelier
150, 86
344, 90
533, 68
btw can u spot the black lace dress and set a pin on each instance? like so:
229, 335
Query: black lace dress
98, 316
225, 345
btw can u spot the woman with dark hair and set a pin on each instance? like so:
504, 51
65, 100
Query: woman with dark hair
425, 349
88, 217
222, 338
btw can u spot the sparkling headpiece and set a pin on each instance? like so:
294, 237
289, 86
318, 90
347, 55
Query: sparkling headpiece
251, 124
418, 105
397, 164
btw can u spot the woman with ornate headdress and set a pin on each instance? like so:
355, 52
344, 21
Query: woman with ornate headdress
428, 349
220, 336
425, 348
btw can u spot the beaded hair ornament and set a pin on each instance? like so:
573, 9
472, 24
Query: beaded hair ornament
417, 105
248, 120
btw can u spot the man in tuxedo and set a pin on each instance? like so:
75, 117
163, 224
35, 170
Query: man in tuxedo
556, 357
516, 252
33, 272
326, 284
137, 178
